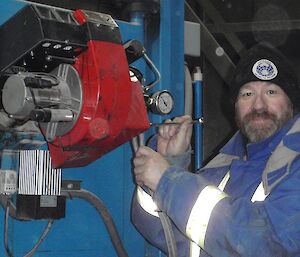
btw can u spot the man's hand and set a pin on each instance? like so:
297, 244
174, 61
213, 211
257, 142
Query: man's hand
175, 139
149, 166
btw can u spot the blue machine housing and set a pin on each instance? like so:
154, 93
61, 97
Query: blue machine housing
82, 233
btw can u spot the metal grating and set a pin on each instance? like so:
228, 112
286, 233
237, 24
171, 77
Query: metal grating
36, 175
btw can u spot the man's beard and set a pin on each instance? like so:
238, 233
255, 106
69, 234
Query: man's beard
257, 132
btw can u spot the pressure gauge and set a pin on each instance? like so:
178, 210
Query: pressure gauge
161, 102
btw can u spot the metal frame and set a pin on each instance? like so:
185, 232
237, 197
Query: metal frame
210, 47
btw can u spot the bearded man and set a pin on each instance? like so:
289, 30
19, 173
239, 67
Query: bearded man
246, 201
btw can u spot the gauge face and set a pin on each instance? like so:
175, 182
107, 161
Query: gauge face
164, 102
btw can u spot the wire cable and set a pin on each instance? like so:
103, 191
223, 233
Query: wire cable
104, 213
170, 238
10, 210
41, 239
4, 200
6, 219
164, 218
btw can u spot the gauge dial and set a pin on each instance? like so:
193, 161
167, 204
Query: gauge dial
163, 102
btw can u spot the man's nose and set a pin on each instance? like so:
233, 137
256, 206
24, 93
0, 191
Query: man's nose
259, 103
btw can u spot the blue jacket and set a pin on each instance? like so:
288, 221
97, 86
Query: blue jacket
227, 221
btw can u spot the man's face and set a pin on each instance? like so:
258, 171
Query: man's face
261, 109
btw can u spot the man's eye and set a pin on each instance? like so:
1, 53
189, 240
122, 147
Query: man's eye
272, 92
246, 94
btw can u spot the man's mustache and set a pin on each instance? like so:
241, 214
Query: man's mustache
262, 114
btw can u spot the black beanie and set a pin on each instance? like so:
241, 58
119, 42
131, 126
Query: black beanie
263, 62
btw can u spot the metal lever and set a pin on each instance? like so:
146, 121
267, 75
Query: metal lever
176, 123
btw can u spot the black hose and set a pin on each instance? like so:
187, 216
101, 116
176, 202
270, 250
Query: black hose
104, 213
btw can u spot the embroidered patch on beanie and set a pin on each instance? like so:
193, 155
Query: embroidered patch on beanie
264, 69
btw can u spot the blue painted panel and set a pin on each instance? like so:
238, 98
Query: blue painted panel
167, 50
8, 8
82, 233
